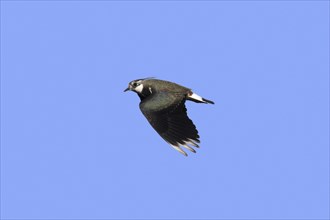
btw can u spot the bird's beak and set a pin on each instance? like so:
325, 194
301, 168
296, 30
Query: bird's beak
127, 89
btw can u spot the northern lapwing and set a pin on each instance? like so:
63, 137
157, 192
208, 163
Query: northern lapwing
163, 104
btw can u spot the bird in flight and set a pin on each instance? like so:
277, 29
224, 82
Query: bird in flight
163, 104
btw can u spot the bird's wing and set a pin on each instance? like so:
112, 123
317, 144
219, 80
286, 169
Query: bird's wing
167, 114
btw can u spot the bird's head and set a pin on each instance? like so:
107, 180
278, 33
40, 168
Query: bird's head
135, 86
141, 86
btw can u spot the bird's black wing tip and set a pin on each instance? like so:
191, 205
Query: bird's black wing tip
208, 101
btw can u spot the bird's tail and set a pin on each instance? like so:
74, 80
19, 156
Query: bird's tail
196, 98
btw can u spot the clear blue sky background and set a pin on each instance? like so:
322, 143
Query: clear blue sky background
73, 145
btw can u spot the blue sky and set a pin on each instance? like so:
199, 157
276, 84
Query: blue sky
73, 145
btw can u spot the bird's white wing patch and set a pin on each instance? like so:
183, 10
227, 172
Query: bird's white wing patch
188, 147
185, 145
179, 149
139, 88
191, 142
